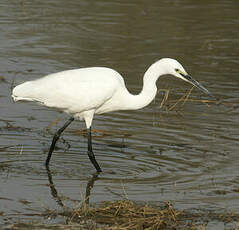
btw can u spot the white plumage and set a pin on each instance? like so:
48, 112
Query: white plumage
88, 91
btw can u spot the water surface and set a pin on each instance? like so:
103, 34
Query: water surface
188, 155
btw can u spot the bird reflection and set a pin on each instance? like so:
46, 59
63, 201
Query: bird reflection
54, 192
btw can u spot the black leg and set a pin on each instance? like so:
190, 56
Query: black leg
91, 154
55, 138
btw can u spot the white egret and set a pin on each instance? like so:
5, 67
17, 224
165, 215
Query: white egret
96, 90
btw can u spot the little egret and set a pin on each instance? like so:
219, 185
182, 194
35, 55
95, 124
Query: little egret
96, 90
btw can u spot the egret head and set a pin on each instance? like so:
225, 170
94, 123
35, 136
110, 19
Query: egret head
174, 68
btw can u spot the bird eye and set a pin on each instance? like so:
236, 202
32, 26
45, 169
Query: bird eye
180, 72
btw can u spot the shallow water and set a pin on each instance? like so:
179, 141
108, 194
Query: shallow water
188, 155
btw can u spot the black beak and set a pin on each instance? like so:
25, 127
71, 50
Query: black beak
197, 84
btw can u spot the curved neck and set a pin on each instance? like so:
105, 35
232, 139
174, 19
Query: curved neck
149, 89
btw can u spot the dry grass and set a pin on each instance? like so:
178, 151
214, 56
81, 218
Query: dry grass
179, 103
127, 215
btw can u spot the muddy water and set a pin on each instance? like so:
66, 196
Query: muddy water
188, 155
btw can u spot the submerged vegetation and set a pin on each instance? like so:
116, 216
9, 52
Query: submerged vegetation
128, 215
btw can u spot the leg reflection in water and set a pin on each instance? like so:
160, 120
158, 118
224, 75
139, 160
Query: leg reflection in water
58, 199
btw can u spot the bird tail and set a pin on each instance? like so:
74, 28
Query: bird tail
22, 92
